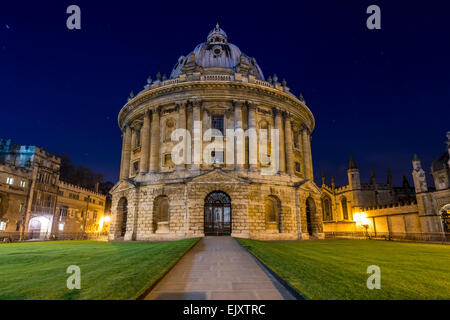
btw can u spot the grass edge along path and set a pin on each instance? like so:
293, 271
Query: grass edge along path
109, 270
336, 269
143, 293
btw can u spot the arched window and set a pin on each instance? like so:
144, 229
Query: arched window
344, 208
169, 128
122, 215
161, 214
272, 211
326, 207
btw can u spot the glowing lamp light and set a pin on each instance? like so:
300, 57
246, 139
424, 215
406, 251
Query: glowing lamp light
361, 219
102, 221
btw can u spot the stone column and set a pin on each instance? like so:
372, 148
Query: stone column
229, 127
253, 138
281, 147
145, 144
289, 145
135, 134
133, 137
182, 125
307, 159
239, 149
299, 138
197, 138
190, 128
155, 141
126, 153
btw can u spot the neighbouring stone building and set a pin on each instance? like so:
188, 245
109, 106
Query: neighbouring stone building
80, 209
216, 86
34, 203
405, 212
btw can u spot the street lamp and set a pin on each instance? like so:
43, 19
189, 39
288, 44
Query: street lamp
361, 220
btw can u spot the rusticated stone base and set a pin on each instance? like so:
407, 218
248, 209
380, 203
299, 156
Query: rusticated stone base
186, 199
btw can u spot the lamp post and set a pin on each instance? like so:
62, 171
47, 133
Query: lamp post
361, 220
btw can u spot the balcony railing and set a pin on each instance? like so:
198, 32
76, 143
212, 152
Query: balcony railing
218, 77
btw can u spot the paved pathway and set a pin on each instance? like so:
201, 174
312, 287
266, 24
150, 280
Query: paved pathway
219, 268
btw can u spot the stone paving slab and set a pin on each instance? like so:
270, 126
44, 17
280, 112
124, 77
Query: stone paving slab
218, 268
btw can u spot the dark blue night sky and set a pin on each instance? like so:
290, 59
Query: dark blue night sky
381, 95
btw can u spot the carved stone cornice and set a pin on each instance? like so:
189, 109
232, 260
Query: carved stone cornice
238, 103
180, 103
277, 111
287, 116
305, 127
259, 91
156, 110
124, 127
137, 125
251, 105
196, 102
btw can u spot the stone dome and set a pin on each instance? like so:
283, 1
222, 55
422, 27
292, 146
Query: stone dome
217, 56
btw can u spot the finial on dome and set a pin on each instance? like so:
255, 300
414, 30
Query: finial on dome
217, 35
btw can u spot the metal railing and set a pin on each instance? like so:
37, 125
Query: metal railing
7, 237
402, 236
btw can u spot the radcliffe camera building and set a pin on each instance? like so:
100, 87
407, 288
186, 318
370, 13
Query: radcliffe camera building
222, 88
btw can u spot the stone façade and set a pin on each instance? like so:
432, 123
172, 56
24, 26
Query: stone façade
158, 200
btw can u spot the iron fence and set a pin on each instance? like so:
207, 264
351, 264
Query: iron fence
6, 237
434, 237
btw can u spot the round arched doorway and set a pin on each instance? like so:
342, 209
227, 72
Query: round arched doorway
217, 214
39, 227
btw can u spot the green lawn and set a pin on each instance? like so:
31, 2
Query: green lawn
336, 269
109, 270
